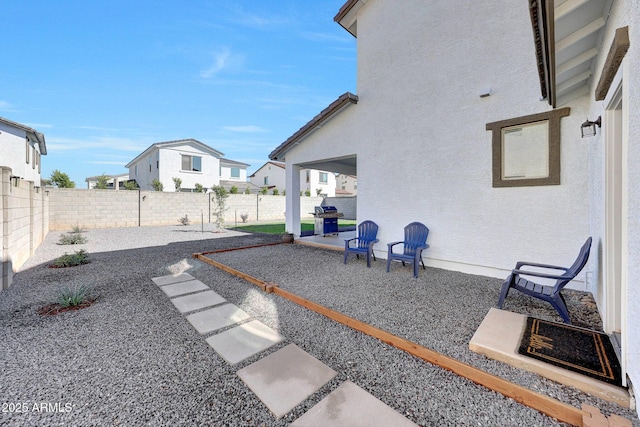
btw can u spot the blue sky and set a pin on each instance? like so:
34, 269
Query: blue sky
104, 80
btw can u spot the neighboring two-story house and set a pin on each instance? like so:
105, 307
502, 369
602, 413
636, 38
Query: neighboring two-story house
233, 174
346, 185
114, 182
509, 130
20, 149
272, 176
189, 160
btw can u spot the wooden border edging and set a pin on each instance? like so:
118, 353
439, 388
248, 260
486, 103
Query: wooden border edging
540, 402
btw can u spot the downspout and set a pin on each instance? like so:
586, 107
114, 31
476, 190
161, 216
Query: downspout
139, 208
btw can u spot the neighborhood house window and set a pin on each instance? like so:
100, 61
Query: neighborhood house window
526, 150
27, 145
191, 163
235, 172
324, 178
266, 180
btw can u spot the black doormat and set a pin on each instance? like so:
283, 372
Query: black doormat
580, 350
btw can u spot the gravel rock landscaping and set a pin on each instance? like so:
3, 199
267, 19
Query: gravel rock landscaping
132, 359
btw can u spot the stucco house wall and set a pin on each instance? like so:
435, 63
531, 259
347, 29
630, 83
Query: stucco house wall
420, 119
163, 161
309, 179
21, 151
623, 13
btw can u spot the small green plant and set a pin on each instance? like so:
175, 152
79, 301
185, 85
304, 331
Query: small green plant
71, 296
318, 191
284, 192
71, 260
264, 190
219, 200
72, 239
177, 182
307, 193
184, 220
77, 229
199, 188
157, 185
102, 182
275, 192
233, 189
247, 190
130, 185
244, 217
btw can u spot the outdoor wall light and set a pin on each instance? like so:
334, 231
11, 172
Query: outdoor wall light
588, 128
15, 179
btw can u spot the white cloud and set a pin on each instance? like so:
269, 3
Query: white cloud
111, 143
245, 129
221, 60
6, 106
107, 162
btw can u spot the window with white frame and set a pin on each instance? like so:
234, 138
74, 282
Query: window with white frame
191, 163
235, 172
324, 178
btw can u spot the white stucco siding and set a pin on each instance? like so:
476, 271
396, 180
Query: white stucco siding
623, 13
171, 166
225, 173
13, 154
422, 149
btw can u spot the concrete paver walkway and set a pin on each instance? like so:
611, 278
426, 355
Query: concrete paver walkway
283, 379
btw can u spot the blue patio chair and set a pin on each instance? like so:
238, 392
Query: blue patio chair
415, 241
548, 293
363, 244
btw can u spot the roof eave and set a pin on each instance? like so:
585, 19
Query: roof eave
542, 22
325, 115
348, 14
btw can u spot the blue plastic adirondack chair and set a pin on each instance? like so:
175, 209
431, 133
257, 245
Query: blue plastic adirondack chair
363, 244
415, 241
548, 293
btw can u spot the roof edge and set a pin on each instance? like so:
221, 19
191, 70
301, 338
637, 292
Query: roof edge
542, 23
345, 13
343, 101
33, 134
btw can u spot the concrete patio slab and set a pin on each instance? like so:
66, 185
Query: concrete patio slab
183, 288
197, 301
349, 405
285, 378
498, 337
241, 342
172, 278
216, 318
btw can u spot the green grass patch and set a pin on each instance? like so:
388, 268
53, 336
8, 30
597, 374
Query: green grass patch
278, 227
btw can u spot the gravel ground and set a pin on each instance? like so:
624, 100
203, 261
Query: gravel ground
132, 359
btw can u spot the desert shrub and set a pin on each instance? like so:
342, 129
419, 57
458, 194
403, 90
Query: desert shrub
72, 239
247, 190
177, 182
71, 260
264, 190
184, 220
70, 296
157, 185
233, 189
275, 192
199, 188
307, 193
77, 229
244, 217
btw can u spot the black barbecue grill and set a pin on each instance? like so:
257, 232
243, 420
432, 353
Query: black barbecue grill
326, 220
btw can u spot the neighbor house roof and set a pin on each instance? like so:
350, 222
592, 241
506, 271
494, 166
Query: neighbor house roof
232, 162
325, 115
167, 144
32, 134
278, 164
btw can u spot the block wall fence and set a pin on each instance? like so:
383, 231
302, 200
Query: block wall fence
108, 208
29, 212
24, 215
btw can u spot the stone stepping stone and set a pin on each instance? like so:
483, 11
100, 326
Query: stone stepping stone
216, 318
172, 278
286, 378
242, 342
197, 301
349, 405
183, 288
